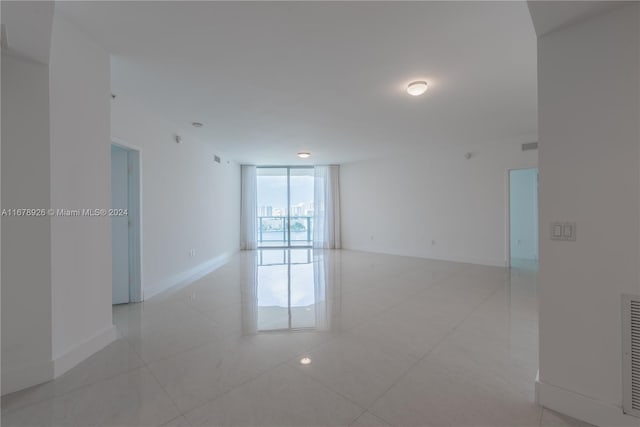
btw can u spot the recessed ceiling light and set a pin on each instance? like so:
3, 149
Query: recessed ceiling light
417, 88
197, 124
304, 154
305, 361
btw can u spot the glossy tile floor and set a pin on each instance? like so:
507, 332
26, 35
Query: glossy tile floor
390, 341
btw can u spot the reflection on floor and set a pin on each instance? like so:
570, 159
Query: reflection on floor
312, 338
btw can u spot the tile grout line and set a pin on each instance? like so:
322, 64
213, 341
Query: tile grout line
428, 353
418, 360
410, 297
175, 405
314, 346
146, 364
179, 352
265, 372
286, 362
174, 419
540, 418
72, 390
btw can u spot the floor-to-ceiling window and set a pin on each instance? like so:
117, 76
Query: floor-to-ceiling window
285, 206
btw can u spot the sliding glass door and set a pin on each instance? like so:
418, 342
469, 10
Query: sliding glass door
285, 206
273, 202
300, 206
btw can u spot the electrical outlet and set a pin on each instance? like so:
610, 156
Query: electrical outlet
192, 253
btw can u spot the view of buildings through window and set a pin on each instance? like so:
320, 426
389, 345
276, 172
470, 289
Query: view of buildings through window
285, 206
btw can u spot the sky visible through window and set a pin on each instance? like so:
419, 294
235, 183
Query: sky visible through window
272, 191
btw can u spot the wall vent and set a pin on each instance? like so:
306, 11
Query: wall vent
529, 146
631, 354
216, 158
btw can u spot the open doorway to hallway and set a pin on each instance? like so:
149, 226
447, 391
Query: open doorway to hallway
125, 225
523, 218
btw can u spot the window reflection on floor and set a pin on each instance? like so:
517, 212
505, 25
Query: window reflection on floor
290, 290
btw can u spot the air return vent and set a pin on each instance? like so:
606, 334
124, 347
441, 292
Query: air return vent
631, 354
529, 146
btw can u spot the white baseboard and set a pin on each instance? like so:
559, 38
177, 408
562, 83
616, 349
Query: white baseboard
31, 374
26, 376
82, 351
464, 260
184, 278
474, 261
582, 407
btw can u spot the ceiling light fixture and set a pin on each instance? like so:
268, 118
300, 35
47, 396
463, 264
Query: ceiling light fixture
417, 88
305, 361
197, 124
304, 154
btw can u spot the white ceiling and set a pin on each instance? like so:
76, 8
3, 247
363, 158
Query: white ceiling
270, 79
28, 28
549, 16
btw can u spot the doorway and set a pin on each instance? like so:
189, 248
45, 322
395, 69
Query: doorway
285, 206
523, 218
125, 225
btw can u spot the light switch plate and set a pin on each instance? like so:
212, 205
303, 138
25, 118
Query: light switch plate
563, 231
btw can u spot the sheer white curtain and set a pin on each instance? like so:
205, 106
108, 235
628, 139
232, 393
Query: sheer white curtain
326, 207
248, 208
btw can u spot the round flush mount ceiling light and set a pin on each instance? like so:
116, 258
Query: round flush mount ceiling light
304, 154
305, 361
197, 124
417, 88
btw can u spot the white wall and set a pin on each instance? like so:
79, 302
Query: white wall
56, 305
400, 205
188, 200
523, 200
589, 132
80, 178
26, 248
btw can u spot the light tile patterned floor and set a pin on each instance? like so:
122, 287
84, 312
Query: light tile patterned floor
392, 341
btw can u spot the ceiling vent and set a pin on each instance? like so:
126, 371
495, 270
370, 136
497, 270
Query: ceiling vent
529, 146
631, 354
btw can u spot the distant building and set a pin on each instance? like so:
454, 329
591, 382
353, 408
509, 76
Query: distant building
265, 211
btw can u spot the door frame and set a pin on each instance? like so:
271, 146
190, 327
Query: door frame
134, 165
508, 214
